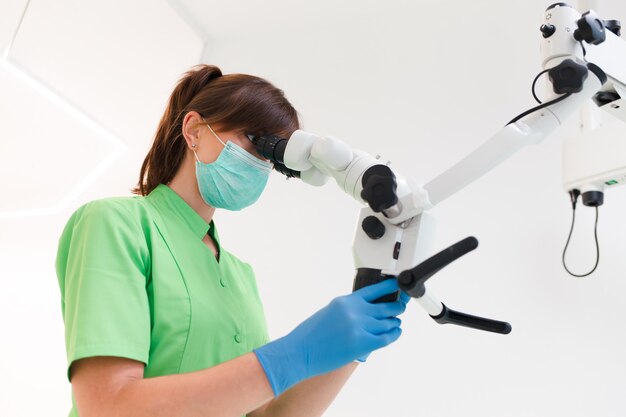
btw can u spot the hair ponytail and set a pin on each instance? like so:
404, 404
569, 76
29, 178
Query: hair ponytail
234, 101
192, 82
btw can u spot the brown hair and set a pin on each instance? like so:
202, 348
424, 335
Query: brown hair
231, 102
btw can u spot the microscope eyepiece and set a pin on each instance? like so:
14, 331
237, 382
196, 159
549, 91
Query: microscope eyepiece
270, 147
273, 147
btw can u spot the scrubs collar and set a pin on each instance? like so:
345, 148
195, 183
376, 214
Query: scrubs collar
167, 198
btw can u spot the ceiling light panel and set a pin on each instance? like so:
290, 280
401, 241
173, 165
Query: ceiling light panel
10, 14
45, 152
116, 60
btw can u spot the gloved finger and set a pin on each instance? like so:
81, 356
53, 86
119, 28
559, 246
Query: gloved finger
404, 297
384, 310
384, 339
375, 291
378, 326
391, 336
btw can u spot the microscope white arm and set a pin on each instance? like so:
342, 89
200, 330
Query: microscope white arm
531, 129
558, 45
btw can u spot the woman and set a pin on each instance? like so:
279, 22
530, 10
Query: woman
160, 319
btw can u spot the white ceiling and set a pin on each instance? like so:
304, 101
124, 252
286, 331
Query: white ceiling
114, 63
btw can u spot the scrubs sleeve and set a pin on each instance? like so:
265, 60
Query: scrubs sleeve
102, 266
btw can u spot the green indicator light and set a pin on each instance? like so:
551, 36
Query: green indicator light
611, 182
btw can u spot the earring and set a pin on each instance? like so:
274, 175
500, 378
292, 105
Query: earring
193, 145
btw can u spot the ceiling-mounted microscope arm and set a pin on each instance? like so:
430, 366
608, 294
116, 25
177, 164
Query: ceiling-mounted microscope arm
530, 129
582, 41
391, 232
577, 75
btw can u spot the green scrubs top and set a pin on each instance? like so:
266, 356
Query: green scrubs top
137, 282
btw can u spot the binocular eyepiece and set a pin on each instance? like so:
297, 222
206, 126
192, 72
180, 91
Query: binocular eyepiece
273, 148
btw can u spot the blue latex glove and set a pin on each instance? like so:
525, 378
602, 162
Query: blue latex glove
348, 328
404, 298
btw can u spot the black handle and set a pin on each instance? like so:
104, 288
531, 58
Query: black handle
449, 316
412, 282
369, 276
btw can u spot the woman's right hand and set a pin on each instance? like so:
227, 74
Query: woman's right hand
349, 327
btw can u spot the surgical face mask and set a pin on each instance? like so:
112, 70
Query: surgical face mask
235, 180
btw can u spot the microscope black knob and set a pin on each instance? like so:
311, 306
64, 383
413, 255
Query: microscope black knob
568, 77
547, 30
373, 227
379, 188
590, 29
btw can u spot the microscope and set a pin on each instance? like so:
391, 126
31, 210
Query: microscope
585, 60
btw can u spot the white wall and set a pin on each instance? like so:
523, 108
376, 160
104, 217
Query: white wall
422, 83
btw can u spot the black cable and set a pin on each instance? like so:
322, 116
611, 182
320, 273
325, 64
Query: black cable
539, 107
535, 82
595, 232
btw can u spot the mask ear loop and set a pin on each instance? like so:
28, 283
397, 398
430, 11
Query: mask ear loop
214, 134
193, 145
